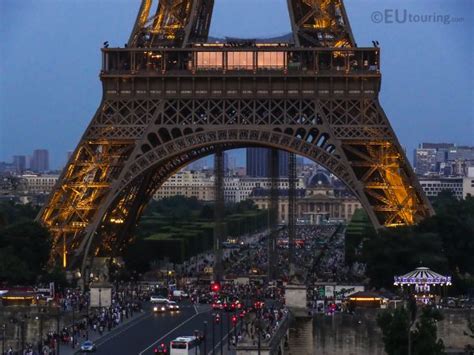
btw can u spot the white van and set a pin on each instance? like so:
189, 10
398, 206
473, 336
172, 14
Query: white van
180, 294
187, 345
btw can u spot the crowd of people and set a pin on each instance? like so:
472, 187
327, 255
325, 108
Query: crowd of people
318, 256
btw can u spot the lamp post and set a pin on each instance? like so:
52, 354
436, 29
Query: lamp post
222, 336
4, 331
73, 324
196, 335
100, 298
205, 337
40, 346
57, 330
228, 330
213, 333
22, 327
259, 345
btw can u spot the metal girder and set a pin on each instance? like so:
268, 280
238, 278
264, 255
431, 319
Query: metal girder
149, 126
320, 23
175, 22
218, 214
291, 211
274, 171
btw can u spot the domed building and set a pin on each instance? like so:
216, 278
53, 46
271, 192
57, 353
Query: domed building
322, 199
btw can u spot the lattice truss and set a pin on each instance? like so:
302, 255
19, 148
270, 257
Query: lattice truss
174, 22
133, 146
320, 23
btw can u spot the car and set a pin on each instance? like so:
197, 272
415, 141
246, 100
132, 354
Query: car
160, 306
156, 299
204, 298
162, 349
218, 304
180, 294
234, 305
88, 347
173, 306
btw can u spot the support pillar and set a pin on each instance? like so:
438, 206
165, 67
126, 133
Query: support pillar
218, 214
273, 213
291, 212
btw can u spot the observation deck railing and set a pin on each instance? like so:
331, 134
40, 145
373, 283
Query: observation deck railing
210, 61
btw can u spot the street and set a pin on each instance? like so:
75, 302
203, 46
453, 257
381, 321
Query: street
152, 330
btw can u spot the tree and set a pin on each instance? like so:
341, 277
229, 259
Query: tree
13, 269
25, 246
424, 337
394, 325
396, 251
470, 333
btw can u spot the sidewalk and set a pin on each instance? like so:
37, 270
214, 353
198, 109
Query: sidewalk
66, 349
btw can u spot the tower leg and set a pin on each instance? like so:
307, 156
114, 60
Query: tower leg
274, 174
291, 212
218, 214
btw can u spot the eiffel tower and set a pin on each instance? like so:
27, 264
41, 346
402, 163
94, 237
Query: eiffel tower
170, 98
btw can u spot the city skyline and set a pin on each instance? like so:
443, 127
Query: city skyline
59, 111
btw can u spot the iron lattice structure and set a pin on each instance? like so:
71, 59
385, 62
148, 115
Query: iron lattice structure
169, 99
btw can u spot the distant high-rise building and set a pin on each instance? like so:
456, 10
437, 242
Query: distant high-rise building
19, 162
425, 161
283, 161
40, 161
225, 157
445, 159
257, 162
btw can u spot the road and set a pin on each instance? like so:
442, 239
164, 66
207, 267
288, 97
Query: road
143, 335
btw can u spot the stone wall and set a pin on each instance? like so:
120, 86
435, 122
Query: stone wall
345, 334
24, 324
359, 334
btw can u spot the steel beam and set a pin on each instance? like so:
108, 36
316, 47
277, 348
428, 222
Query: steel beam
291, 211
219, 210
162, 109
274, 171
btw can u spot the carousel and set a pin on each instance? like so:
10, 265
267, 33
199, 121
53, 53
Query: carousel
425, 284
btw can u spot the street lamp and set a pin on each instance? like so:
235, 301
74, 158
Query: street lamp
213, 334
73, 324
222, 336
228, 331
205, 337
196, 335
100, 298
58, 335
4, 331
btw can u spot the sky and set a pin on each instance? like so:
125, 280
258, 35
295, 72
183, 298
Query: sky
50, 61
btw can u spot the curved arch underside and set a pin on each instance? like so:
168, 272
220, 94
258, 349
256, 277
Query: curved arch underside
162, 108
110, 179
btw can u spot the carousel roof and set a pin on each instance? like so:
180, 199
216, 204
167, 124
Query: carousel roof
422, 275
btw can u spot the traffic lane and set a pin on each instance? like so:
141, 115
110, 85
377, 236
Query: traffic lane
132, 339
215, 333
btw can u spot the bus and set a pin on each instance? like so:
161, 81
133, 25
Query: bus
186, 345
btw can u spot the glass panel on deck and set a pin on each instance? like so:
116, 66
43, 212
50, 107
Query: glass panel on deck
271, 60
209, 60
240, 60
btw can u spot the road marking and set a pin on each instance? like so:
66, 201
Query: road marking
195, 308
120, 331
171, 331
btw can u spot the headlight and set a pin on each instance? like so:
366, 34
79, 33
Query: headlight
155, 308
162, 308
